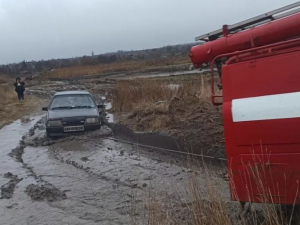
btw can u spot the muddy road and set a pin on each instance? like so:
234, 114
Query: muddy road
88, 178
81, 179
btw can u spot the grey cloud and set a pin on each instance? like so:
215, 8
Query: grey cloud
44, 29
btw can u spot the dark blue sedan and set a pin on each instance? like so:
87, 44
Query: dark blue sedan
71, 111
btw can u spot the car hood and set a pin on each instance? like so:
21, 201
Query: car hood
55, 114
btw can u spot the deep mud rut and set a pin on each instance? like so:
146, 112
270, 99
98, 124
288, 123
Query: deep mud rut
81, 179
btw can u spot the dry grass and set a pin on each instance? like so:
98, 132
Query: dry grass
154, 103
207, 206
4, 79
204, 207
261, 185
142, 94
10, 107
150, 95
114, 67
209, 209
7, 94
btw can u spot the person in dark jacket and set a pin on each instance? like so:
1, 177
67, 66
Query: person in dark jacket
20, 88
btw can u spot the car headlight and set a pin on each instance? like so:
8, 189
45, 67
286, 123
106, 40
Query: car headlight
92, 120
54, 123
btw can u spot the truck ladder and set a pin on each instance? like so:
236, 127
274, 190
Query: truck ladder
255, 21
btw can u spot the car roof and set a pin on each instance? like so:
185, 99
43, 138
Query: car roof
71, 93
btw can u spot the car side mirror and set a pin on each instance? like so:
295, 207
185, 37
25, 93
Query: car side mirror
45, 108
100, 106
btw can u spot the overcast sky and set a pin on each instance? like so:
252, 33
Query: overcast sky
45, 29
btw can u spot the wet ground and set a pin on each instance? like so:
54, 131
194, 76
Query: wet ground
88, 178
80, 179
95, 178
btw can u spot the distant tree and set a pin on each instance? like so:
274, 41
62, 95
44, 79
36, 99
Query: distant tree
102, 59
39, 65
151, 55
112, 58
23, 65
88, 60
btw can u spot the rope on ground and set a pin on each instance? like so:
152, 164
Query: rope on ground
164, 149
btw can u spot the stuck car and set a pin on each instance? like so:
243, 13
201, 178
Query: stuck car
71, 111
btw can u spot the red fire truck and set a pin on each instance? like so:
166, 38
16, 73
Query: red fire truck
259, 69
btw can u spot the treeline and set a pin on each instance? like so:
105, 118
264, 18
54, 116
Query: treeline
107, 58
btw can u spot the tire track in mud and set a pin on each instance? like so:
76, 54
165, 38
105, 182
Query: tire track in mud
84, 189
114, 184
96, 175
56, 211
99, 176
43, 190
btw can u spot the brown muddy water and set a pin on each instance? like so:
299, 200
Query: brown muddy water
81, 179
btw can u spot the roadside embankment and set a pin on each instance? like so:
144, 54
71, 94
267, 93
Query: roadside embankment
178, 106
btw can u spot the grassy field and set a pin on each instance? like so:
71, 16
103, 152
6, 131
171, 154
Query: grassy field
130, 66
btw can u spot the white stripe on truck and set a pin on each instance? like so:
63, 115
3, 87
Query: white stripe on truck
269, 107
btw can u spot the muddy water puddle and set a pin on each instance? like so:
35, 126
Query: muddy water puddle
10, 137
80, 179
162, 74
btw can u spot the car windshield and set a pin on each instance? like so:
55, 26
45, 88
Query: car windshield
72, 101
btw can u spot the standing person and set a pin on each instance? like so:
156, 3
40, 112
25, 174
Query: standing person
20, 88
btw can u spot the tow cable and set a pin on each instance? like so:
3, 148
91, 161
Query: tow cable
164, 149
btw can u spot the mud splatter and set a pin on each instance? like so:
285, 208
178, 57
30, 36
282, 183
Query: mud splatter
17, 153
7, 190
45, 192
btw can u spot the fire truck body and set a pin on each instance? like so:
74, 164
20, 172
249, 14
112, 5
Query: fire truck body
261, 112
262, 35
